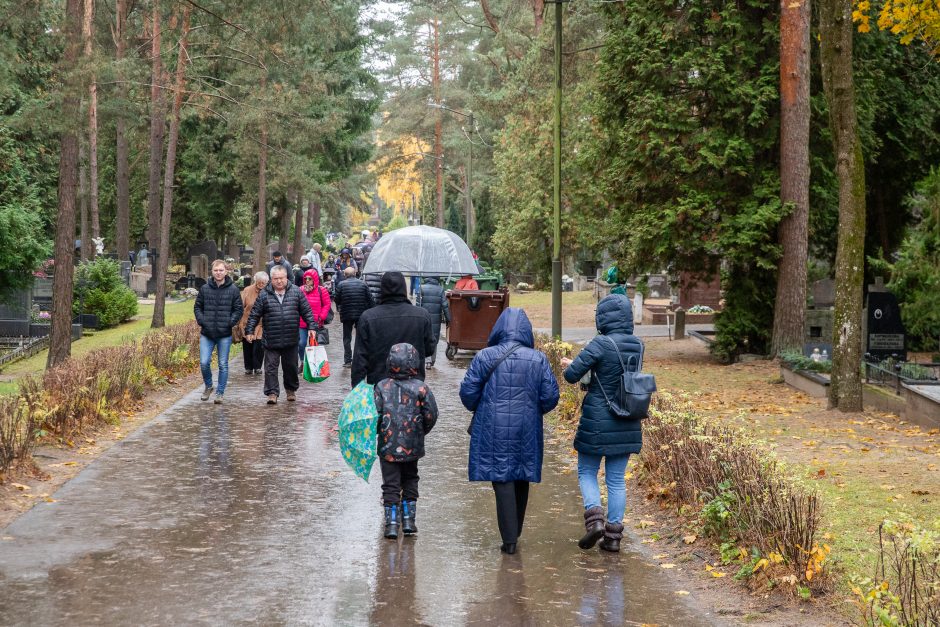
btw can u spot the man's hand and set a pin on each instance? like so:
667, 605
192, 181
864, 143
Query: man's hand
565, 362
250, 338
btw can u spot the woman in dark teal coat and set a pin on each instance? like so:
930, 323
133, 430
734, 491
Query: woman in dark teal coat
600, 433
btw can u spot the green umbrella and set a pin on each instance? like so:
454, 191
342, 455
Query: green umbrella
357, 429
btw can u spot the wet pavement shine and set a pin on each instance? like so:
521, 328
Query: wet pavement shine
244, 513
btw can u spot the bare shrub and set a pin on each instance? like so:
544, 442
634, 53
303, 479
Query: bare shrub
17, 433
745, 495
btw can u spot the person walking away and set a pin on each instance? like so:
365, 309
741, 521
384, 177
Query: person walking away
218, 308
466, 282
277, 259
253, 352
374, 283
600, 433
319, 299
352, 298
434, 301
298, 274
407, 412
280, 306
345, 261
509, 386
393, 321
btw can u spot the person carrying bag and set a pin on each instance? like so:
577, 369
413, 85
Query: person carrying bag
609, 427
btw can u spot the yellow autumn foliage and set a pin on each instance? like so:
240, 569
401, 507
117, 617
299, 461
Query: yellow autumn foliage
398, 179
908, 19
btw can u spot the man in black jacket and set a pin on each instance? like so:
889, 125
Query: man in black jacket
218, 308
352, 297
432, 298
281, 305
395, 320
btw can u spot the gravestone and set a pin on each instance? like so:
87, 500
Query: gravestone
205, 247
824, 293
658, 285
818, 327
199, 266
696, 290
42, 293
126, 272
885, 335
14, 314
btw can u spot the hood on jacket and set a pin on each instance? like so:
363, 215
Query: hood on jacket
315, 275
394, 289
512, 326
403, 361
303, 259
614, 314
215, 286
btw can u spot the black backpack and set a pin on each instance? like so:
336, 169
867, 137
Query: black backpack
632, 400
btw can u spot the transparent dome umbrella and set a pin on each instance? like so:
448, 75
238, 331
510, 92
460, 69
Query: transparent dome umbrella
421, 251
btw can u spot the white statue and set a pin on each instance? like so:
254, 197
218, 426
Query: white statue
99, 245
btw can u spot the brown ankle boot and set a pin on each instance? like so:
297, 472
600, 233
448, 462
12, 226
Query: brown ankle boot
613, 532
593, 526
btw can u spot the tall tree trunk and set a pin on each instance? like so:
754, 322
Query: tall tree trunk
159, 303
835, 31
438, 123
538, 14
261, 231
60, 339
283, 226
157, 129
790, 305
298, 227
85, 250
87, 36
316, 214
122, 168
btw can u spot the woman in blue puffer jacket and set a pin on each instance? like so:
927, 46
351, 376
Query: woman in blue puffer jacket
600, 433
509, 385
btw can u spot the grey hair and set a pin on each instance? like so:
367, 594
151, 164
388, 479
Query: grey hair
280, 269
317, 247
261, 276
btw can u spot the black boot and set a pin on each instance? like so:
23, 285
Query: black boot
594, 527
391, 521
408, 526
612, 534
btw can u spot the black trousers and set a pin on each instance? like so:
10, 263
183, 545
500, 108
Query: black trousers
348, 326
253, 353
287, 358
511, 500
399, 481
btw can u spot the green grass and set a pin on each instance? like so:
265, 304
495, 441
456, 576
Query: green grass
176, 313
544, 299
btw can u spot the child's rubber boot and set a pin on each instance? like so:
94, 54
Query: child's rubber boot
613, 532
408, 526
391, 521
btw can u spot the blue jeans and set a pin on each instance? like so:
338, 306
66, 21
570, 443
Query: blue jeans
615, 467
206, 346
302, 343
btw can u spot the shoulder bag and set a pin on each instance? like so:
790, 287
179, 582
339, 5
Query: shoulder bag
633, 396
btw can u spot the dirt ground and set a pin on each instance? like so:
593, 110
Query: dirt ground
56, 463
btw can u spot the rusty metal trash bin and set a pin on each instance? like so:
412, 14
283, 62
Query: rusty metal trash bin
473, 313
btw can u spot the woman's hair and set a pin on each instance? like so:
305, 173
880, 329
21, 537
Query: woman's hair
261, 276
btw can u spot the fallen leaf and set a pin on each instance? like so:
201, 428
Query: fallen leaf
920, 492
682, 593
20, 486
667, 565
690, 538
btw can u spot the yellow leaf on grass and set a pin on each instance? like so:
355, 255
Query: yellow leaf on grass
717, 573
690, 538
682, 593
667, 565
761, 563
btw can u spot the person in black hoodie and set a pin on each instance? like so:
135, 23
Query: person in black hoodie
395, 320
352, 298
218, 308
432, 298
407, 412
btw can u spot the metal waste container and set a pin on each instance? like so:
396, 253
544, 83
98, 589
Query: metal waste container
473, 313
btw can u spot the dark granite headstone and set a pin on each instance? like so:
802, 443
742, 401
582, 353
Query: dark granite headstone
886, 335
697, 290
824, 293
207, 248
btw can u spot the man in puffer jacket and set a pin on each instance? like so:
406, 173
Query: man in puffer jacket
352, 299
407, 412
374, 283
281, 305
432, 298
600, 432
218, 308
395, 320
510, 386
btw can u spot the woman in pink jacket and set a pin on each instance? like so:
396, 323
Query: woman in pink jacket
319, 299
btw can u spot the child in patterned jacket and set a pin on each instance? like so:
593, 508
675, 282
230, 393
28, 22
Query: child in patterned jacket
407, 412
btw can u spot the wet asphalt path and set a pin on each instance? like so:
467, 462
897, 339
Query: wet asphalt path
243, 514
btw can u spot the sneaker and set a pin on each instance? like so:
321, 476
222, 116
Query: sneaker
249, 372
291, 396
218, 399
258, 371
272, 399
347, 364
207, 393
